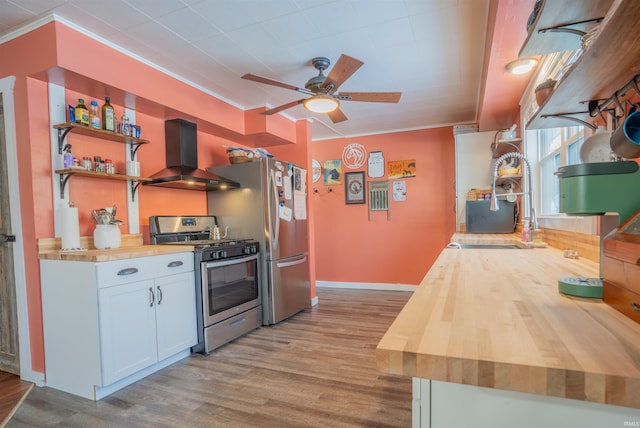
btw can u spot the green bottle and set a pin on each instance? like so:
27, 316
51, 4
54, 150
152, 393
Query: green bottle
108, 116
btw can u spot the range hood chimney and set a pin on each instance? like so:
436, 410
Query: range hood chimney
181, 146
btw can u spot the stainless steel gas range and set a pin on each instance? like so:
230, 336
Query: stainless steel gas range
227, 278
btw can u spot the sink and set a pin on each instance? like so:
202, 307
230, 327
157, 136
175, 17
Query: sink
485, 246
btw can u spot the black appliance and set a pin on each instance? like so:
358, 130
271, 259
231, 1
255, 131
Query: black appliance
181, 148
480, 219
227, 272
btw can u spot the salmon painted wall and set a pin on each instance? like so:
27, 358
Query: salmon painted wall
351, 248
101, 71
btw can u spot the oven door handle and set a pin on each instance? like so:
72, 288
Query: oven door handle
227, 262
292, 263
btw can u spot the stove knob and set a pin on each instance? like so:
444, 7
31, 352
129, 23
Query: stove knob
246, 250
254, 248
214, 255
223, 254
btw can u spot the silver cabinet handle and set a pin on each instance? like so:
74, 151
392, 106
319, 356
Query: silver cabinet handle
159, 295
128, 271
175, 263
152, 298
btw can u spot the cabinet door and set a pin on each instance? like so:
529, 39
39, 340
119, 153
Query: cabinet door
176, 313
127, 329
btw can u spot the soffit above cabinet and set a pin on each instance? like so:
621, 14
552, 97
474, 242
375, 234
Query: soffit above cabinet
554, 13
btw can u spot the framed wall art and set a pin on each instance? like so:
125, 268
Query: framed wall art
332, 172
402, 168
354, 192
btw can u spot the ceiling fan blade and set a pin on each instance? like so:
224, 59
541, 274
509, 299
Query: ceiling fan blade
282, 107
337, 116
266, 80
341, 71
374, 97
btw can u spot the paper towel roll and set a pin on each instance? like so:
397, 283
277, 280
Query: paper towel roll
69, 228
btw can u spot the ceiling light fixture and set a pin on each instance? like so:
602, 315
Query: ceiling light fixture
321, 104
521, 66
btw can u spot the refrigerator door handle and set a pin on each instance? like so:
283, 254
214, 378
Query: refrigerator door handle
276, 204
292, 263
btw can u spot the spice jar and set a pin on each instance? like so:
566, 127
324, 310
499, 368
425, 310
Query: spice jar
108, 166
86, 163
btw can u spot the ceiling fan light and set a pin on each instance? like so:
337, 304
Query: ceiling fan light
521, 66
321, 104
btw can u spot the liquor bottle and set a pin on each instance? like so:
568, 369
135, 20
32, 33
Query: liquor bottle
108, 116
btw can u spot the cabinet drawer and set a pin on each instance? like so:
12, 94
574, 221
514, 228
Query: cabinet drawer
622, 300
621, 273
142, 268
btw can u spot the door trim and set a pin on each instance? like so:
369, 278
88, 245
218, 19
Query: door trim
6, 89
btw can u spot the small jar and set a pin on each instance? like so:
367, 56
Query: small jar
108, 166
86, 163
97, 163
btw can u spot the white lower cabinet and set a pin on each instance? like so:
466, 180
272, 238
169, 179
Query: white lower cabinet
108, 324
446, 404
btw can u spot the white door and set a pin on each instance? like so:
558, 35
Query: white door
127, 329
175, 313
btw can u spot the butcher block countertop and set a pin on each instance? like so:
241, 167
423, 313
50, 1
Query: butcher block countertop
494, 318
131, 247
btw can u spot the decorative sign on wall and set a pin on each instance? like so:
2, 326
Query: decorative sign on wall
399, 190
354, 188
402, 168
332, 172
376, 165
354, 156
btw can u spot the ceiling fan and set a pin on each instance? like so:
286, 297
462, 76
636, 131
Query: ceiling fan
322, 89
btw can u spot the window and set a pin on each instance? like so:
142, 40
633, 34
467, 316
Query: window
556, 147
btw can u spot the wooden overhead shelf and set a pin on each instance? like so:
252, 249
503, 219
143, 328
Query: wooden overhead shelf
606, 65
568, 13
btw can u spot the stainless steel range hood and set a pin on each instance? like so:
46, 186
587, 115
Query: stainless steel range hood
182, 171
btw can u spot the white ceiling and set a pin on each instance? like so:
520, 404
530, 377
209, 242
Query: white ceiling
430, 50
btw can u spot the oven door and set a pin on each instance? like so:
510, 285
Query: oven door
229, 287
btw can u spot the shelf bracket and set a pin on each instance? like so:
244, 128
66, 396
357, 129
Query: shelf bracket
575, 119
63, 183
563, 27
62, 134
134, 149
134, 189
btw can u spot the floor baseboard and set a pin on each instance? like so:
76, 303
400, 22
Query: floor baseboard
366, 286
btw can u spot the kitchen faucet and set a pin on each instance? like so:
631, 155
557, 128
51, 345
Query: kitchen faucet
494, 197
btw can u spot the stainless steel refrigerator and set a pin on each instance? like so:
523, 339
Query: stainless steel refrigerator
270, 207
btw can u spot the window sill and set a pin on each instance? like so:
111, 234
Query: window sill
588, 225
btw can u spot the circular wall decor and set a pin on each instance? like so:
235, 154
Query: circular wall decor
316, 170
354, 156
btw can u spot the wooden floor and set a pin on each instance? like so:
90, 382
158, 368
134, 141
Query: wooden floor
316, 369
12, 392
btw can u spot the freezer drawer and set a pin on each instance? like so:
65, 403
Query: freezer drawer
288, 290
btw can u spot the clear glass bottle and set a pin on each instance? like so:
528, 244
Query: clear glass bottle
94, 116
126, 128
